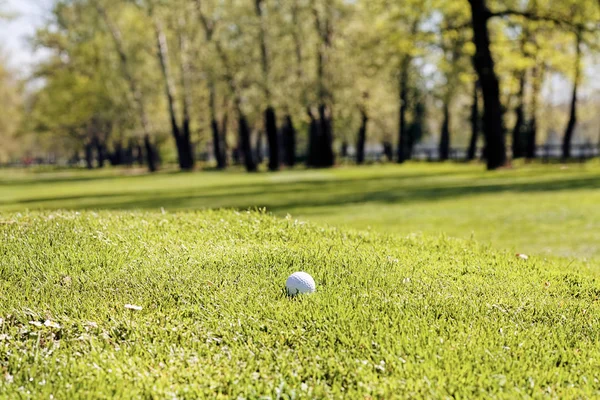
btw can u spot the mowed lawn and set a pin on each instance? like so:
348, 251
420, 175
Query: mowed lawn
538, 209
131, 305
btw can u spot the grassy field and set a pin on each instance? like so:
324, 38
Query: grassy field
393, 317
539, 209
402, 308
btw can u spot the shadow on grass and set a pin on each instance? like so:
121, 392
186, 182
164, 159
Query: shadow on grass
279, 196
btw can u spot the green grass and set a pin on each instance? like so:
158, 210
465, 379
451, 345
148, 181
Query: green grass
402, 308
392, 316
538, 209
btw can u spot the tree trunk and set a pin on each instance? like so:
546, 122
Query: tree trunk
270, 120
362, 137
324, 128
536, 78
344, 149
288, 133
184, 66
128, 157
139, 153
484, 66
388, 150
475, 123
246, 148
182, 142
218, 153
517, 133
403, 93
568, 137
89, 155
272, 138
187, 149
444, 147
118, 156
217, 137
313, 140
259, 147
327, 158
100, 152
150, 154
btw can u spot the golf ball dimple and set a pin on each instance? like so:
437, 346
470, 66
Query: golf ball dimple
300, 283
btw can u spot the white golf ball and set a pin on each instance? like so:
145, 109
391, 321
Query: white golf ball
299, 283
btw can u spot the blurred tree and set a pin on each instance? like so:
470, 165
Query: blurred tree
11, 106
270, 122
135, 89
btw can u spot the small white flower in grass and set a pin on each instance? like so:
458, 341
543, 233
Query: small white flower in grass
51, 324
9, 378
36, 323
133, 307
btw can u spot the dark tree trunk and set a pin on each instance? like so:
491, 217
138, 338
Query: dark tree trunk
151, 157
269, 115
217, 135
362, 137
401, 155
89, 155
118, 156
183, 143
517, 133
484, 66
414, 133
288, 133
187, 150
327, 158
139, 153
272, 138
475, 123
246, 148
313, 141
223, 137
184, 67
259, 147
235, 156
444, 147
388, 150
216, 138
323, 156
344, 149
536, 77
128, 158
100, 152
568, 137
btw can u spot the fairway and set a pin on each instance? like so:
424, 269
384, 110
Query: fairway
392, 317
537, 209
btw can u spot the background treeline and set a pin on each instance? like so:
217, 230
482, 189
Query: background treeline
281, 82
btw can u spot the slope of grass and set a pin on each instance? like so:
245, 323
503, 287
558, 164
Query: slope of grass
541, 209
392, 317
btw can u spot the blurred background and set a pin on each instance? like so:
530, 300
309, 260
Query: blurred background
119, 95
